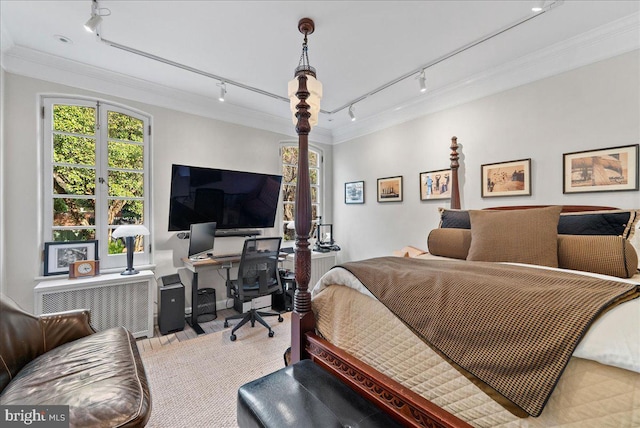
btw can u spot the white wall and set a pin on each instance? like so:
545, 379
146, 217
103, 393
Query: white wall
177, 138
591, 107
3, 282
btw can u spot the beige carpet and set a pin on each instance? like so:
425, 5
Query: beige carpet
194, 383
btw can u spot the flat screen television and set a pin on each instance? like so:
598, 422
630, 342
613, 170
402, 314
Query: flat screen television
232, 199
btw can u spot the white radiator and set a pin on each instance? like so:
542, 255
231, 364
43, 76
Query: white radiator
114, 300
320, 264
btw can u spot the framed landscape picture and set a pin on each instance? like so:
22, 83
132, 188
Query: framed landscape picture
390, 189
603, 170
435, 184
512, 178
354, 192
59, 256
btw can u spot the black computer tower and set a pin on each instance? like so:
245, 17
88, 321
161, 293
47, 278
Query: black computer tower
170, 304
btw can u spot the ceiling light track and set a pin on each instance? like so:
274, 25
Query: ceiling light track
548, 5
421, 69
192, 69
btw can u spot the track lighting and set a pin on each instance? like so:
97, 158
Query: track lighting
423, 81
352, 113
92, 24
223, 91
538, 8
96, 17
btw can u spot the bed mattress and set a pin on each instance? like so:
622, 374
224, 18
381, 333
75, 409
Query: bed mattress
589, 394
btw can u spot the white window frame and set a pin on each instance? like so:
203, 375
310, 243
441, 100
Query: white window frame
107, 260
319, 186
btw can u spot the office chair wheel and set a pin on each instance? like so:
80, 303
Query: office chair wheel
226, 324
280, 319
233, 338
271, 333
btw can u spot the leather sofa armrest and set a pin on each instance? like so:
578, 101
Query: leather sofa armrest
63, 327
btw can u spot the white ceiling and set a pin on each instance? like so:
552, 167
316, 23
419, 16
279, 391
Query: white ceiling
357, 47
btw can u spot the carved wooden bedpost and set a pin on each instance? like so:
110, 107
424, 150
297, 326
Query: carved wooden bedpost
455, 191
302, 319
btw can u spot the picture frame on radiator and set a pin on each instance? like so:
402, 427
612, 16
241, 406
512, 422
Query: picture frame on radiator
60, 255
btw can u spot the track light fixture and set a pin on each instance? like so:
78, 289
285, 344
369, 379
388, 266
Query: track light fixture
96, 17
423, 81
352, 113
538, 7
223, 91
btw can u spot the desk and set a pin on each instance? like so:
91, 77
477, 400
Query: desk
222, 262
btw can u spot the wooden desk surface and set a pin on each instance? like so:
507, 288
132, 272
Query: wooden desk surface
217, 261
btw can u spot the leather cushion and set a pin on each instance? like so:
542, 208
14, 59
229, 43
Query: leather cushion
100, 377
305, 395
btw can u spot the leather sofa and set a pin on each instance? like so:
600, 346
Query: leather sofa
58, 359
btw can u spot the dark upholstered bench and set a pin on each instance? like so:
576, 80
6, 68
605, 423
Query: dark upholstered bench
305, 395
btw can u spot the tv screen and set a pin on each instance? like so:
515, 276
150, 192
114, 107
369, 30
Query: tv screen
232, 199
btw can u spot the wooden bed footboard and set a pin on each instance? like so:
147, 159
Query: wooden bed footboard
399, 402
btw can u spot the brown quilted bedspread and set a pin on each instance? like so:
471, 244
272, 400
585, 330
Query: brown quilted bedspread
513, 328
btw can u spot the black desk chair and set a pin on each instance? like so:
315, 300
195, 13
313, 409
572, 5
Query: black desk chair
257, 276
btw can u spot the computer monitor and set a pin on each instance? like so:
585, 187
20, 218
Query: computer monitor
201, 238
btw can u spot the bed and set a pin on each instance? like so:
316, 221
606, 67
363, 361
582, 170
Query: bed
444, 369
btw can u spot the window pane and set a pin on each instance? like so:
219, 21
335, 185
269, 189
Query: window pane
125, 156
289, 174
313, 176
125, 212
288, 212
313, 158
314, 195
74, 119
314, 211
117, 246
288, 193
74, 212
129, 184
290, 155
74, 235
73, 181
76, 150
289, 234
123, 127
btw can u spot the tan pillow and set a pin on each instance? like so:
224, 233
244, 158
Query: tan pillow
452, 243
605, 254
520, 236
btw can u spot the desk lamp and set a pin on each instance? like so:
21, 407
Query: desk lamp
129, 233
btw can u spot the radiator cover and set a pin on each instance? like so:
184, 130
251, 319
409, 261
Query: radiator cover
114, 300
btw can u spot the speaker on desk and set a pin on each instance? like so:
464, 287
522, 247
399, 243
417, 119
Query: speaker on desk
170, 304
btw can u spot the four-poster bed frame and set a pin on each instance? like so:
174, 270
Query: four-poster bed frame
404, 405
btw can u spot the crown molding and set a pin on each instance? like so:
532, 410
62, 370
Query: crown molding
617, 38
39, 65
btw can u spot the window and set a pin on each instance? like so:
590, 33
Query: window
96, 175
289, 155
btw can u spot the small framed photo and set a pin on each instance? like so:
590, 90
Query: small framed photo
603, 170
59, 256
435, 184
511, 178
390, 189
354, 192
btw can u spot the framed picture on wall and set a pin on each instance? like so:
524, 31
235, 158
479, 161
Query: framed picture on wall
390, 189
512, 178
59, 256
435, 184
354, 192
603, 170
